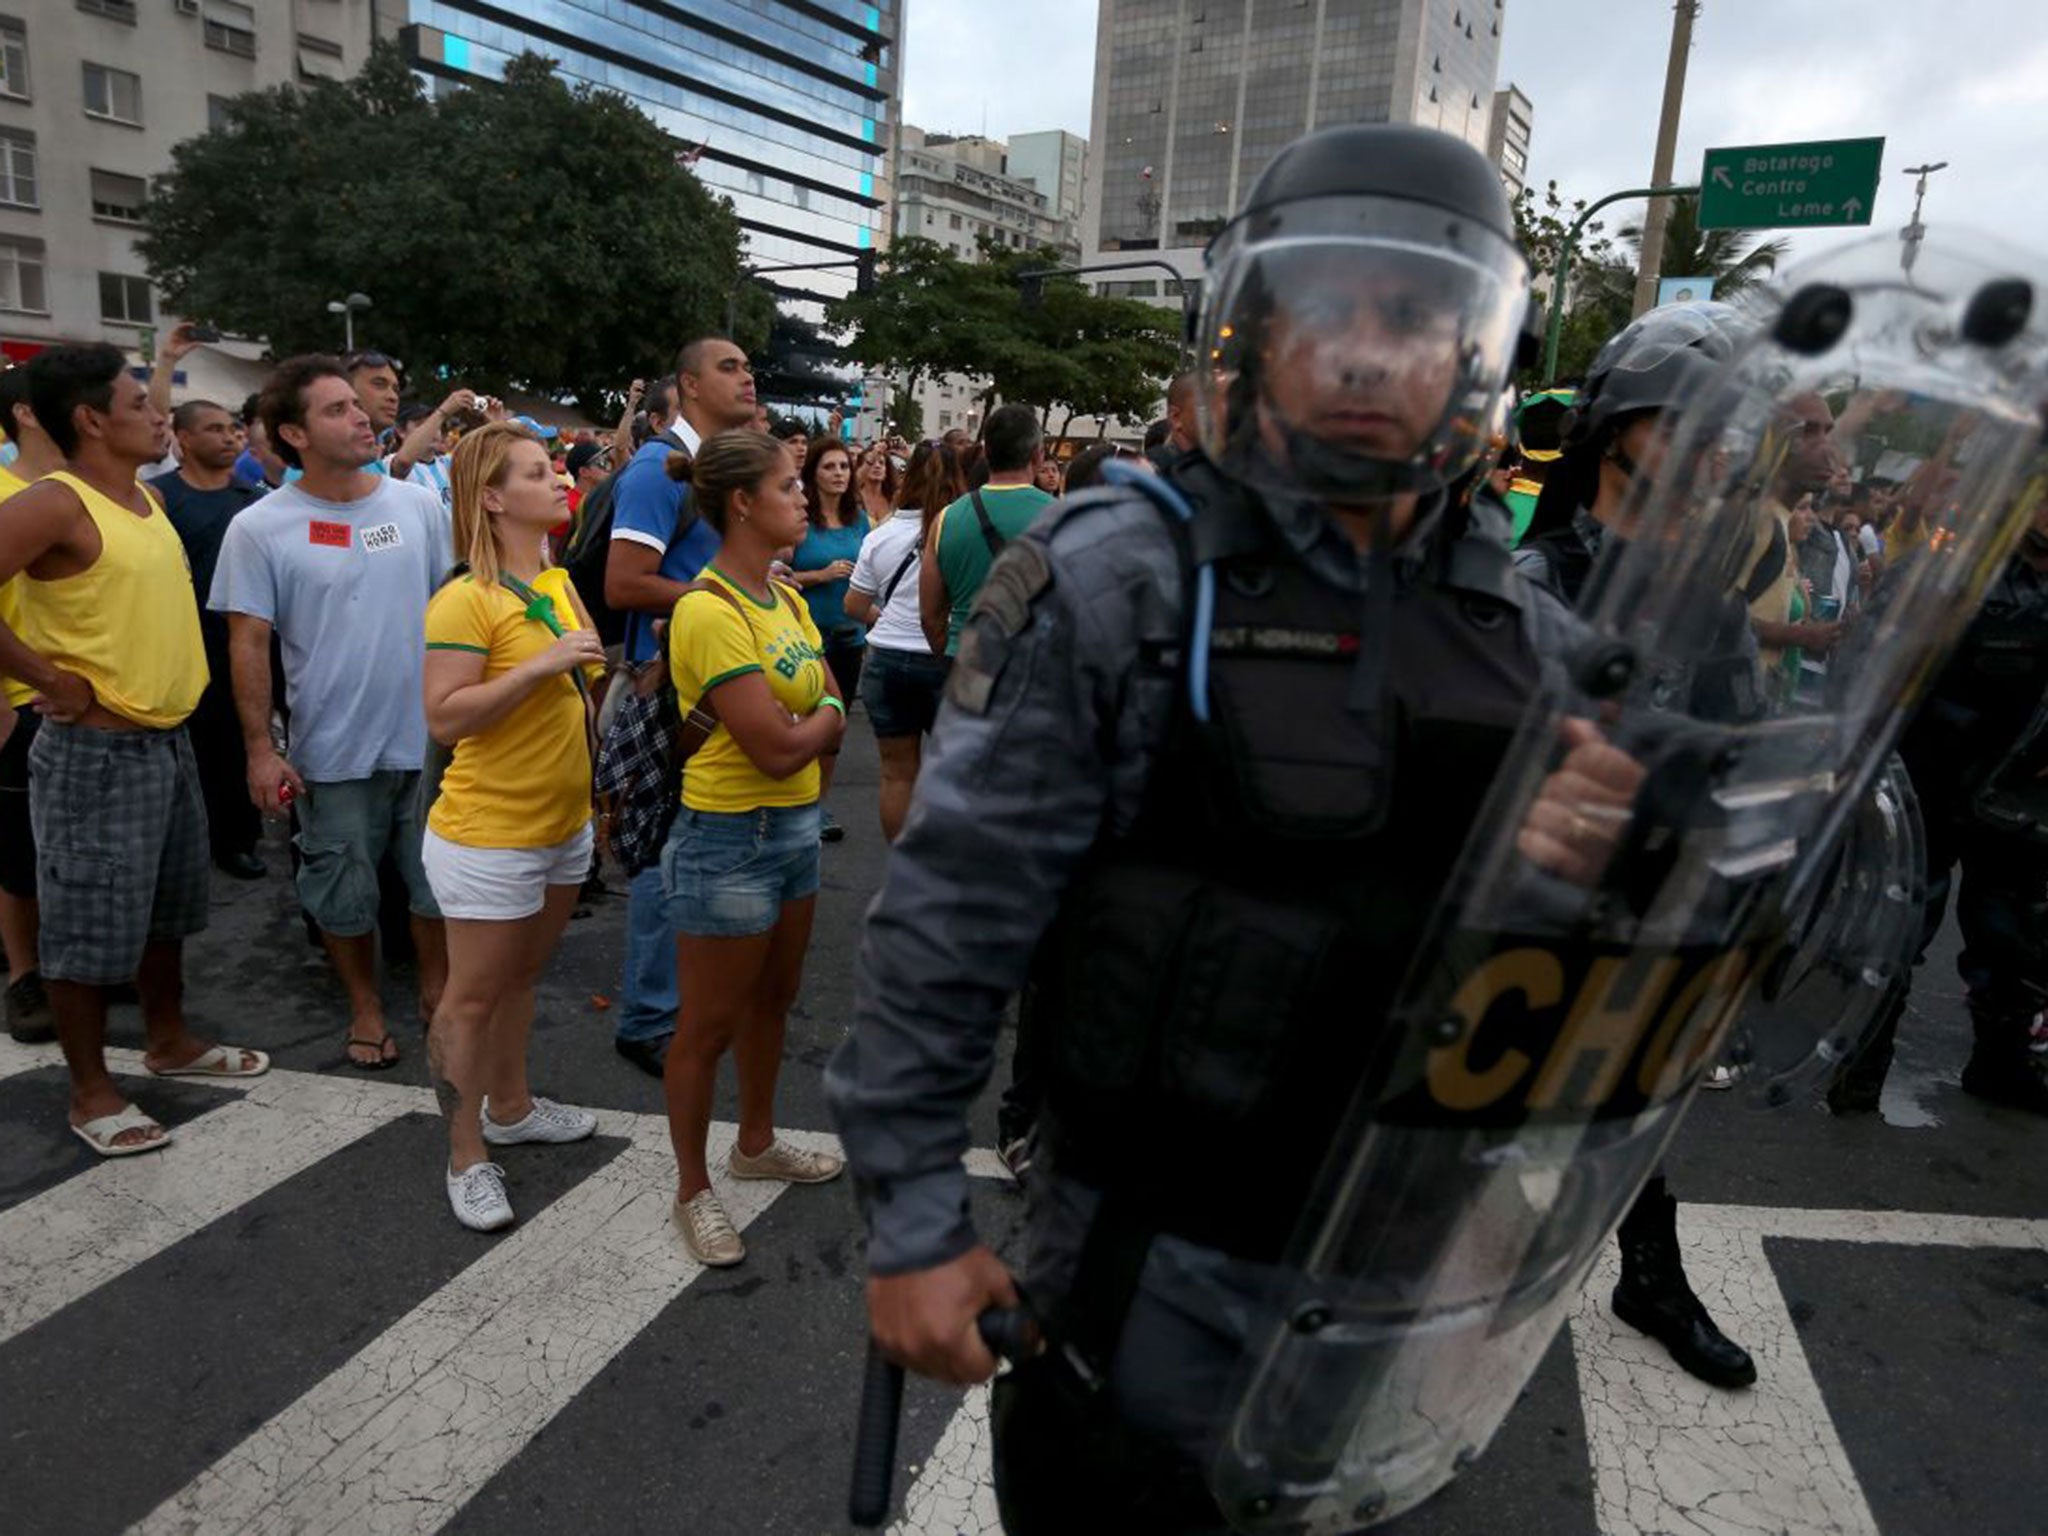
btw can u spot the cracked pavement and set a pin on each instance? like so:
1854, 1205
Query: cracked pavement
275, 1326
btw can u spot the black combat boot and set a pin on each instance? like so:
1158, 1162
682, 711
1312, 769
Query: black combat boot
1860, 1084
1654, 1297
2001, 1070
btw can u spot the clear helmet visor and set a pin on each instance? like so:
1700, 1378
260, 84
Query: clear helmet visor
1357, 347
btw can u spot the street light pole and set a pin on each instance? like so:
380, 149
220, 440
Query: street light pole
1561, 279
1650, 261
1915, 231
347, 308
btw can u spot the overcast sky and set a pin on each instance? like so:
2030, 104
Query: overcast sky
1964, 81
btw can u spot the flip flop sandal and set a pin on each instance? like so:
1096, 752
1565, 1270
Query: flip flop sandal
383, 1060
99, 1134
218, 1061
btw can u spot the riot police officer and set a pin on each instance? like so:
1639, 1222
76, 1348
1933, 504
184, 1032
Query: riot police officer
1615, 434
1977, 752
1201, 772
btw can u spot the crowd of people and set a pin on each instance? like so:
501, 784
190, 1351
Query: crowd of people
395, 624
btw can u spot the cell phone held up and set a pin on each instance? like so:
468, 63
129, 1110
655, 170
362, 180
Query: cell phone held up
201, 331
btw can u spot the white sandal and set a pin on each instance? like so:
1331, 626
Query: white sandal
218, 1061
99, 1134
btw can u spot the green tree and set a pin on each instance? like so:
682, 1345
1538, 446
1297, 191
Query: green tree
1600, 287
931, 313
1690, 251
518, 233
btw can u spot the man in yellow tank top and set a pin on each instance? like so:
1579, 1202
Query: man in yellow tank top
109, 640
28, 1005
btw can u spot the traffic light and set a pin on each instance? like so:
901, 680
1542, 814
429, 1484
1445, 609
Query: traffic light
1031, 293
864, 272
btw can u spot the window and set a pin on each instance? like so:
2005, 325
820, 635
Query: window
18, 167
952, 221
21, 274
125, 300
13, 58
113, 10
320, 59
113, 94
230, 27
117, 197
216, 111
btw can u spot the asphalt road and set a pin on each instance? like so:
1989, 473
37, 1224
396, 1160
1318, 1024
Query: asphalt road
276, 1325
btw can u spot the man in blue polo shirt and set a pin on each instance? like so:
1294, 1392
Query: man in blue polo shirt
658, 545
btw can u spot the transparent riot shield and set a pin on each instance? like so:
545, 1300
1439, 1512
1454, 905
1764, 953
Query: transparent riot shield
1661, 851
1823, 990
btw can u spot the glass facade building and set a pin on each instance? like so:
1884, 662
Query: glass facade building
793, 102
1193, 98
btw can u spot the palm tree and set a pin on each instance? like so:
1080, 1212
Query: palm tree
1690, 251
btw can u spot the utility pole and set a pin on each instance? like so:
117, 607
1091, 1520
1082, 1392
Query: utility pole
1913, 232
1652, 258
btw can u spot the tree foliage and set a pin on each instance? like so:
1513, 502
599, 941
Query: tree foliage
1599, 290
931, 313
518, 233
1690, 251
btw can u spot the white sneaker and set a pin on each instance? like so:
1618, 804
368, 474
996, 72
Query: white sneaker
546, 1121
708, 1232
478, 1197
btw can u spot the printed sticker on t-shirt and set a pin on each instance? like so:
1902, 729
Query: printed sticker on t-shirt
383, 536
333, 535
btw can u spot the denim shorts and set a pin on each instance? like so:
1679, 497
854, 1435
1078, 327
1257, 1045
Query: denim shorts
727, 874
345, 828
901, 691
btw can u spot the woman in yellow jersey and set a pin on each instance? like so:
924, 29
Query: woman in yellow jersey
740, 872
508, 840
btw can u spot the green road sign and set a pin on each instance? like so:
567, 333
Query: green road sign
1790, 186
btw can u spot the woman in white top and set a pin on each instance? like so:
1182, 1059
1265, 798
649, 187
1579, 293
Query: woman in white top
903, 680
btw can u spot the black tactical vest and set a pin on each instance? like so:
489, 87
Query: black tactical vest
1216, 982
1570, 559
1989, 694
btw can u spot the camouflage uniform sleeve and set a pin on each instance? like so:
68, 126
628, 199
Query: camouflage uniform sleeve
1054, 712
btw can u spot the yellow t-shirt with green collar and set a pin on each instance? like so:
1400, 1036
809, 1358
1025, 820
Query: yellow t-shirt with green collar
525, 782
17, 692
712, 641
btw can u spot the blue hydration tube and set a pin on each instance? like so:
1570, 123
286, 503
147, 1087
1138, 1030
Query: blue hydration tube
1168, 499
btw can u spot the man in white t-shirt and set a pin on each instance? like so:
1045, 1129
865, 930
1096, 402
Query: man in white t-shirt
340, 565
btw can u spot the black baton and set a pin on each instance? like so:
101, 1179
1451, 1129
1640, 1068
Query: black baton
1010, 1334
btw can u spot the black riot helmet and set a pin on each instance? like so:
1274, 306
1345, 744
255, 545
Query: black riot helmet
1652, 364
1361, 316
1655, 363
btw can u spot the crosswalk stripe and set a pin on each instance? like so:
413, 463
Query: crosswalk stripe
1912, 1229
399, 1438
1672, 1453
74, 1238
16, 1059
953, 1494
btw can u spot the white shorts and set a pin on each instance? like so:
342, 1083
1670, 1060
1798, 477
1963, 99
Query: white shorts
501, 885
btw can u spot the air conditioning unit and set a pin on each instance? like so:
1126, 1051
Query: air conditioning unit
186, 7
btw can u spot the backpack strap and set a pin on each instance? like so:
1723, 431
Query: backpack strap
916, 549
989, 535
1769, 565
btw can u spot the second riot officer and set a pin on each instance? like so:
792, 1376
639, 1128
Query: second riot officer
1208, 754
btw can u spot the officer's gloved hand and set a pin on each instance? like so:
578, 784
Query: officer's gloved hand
924, 1319
1581, 813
